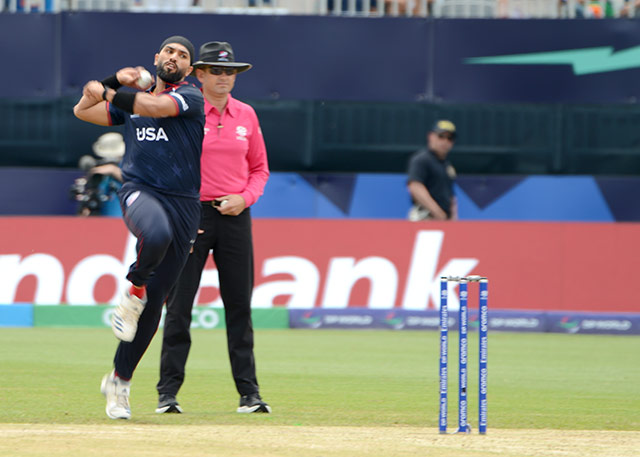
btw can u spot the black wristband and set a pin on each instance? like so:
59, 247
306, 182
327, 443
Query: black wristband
104, 94
124, 101
112, 82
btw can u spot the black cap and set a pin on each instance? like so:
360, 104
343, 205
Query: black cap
444, 126
184, 42
220, 54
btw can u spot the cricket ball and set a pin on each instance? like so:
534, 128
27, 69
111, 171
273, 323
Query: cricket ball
144, 80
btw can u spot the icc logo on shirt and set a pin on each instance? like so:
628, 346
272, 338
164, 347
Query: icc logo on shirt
241, 133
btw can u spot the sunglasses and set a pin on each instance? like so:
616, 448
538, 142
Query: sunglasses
219, 70
444, 136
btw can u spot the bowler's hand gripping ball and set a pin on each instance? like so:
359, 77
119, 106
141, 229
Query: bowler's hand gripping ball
144, 80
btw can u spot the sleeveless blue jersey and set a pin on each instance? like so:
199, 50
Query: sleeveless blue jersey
164, 153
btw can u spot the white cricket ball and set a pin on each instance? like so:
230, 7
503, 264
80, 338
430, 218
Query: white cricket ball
223, 202
144, 80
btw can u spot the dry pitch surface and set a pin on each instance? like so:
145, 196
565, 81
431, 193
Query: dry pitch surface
31, 440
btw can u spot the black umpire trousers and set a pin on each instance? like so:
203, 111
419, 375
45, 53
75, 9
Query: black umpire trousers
231, 240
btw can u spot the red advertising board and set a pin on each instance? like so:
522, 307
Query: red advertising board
346, 263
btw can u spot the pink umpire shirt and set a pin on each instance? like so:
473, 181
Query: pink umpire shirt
234, 157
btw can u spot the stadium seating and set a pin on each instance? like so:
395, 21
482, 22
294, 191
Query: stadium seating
420, 8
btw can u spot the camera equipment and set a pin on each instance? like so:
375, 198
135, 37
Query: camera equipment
94, 189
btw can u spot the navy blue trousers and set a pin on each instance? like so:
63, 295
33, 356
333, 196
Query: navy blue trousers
165, 227
230, 238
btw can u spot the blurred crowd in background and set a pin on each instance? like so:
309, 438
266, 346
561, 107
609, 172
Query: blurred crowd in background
373, 8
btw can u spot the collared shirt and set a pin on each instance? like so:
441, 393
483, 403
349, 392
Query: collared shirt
234, 157
164, 153
437, 176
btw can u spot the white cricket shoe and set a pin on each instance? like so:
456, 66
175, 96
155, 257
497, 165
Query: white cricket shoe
253, 403
124, 321
116, 391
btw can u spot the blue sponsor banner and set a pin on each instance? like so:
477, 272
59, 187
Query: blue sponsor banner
501, 198
506, 321
414, 320
304, 67
513, 321
536, 61
500, 321
337, 318
40, 191
594, 323
451, 60
16, 315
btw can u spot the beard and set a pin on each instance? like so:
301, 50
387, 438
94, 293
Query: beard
169, 77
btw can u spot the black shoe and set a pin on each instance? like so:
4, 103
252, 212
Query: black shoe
168, 404
252, 403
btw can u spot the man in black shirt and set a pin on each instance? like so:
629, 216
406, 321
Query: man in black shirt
431, 176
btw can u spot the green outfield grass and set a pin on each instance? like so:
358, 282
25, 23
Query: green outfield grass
333, 378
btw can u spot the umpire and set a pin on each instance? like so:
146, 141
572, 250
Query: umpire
234, 172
